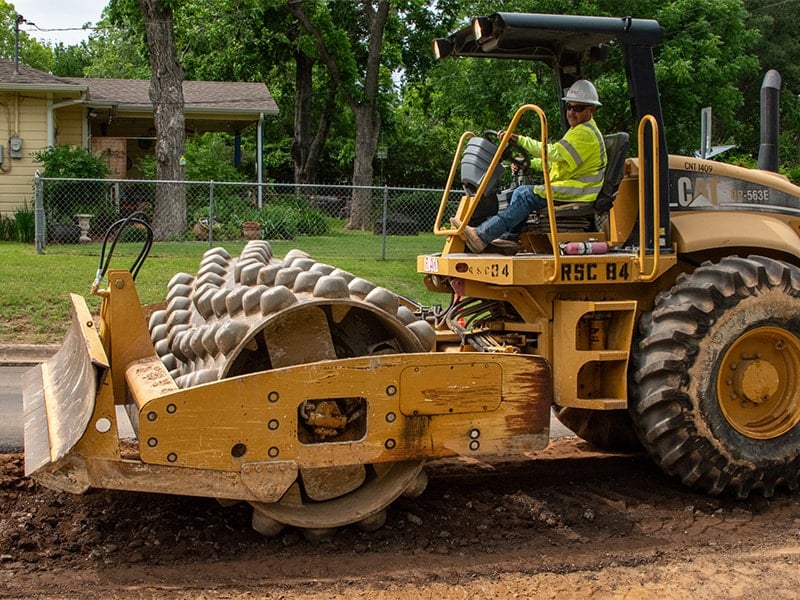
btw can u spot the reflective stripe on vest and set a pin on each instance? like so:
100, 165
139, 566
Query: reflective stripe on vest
583, 188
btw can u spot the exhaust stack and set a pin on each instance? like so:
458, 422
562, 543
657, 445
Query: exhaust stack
770, 96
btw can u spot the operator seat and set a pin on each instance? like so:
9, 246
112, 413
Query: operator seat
580, 216
617, 145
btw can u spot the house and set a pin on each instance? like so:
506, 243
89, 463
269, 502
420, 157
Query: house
112, 117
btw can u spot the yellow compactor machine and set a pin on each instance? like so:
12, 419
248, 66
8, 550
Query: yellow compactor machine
317, 396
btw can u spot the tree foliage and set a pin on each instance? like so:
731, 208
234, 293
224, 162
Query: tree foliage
708, 51
31, 52
777, 48
314, 56
353, 57
117, 49
70, 61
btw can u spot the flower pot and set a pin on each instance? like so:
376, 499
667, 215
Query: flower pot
251, 230
83, 223
200, 229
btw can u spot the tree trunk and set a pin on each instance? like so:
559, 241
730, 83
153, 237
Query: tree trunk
303, 66
367, 130
166, 94
306, 149
368, 122
362, 98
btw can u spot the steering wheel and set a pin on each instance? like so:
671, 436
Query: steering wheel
513, 152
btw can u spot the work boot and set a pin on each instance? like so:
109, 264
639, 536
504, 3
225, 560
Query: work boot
470, 236
507, 246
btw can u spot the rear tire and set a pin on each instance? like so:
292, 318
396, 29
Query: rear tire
718, 372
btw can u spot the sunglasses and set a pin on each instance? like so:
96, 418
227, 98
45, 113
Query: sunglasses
576, 108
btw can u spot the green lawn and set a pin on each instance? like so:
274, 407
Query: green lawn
34, 289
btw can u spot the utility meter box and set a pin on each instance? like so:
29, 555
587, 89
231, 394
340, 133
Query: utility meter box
15, 147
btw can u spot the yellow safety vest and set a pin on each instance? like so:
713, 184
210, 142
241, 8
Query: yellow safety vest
577, 163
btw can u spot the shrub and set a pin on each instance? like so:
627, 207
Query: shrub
8, 229
312, 222
25, 221
228, 232
133, 233
63, 199
209, 156
288, 215
71, 162
278, 222
793, 173
422, 206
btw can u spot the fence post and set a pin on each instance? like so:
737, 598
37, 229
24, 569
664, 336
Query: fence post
38, 212
211, 214
384, 219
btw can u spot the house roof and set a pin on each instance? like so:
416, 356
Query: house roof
232, 100
22, 77
199, 96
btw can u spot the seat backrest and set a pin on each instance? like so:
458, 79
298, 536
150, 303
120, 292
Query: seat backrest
617, 145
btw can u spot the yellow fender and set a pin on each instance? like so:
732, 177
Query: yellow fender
696, 231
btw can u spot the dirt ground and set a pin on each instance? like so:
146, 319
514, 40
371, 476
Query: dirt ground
570, 524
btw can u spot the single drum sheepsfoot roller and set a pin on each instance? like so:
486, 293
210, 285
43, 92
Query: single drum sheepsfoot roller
289, 384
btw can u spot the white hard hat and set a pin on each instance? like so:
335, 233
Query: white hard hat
582, 91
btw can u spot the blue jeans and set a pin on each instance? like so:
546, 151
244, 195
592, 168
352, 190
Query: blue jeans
511, 220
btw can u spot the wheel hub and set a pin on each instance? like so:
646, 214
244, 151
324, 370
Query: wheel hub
759, 381
758, 386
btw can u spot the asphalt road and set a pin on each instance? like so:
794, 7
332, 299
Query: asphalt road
11, 422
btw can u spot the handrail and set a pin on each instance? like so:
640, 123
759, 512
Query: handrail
548, 194
472, 202
656, 198
437, 230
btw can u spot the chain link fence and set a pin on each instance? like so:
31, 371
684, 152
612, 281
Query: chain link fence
71, 211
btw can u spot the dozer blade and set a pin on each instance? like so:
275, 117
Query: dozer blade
59, 394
